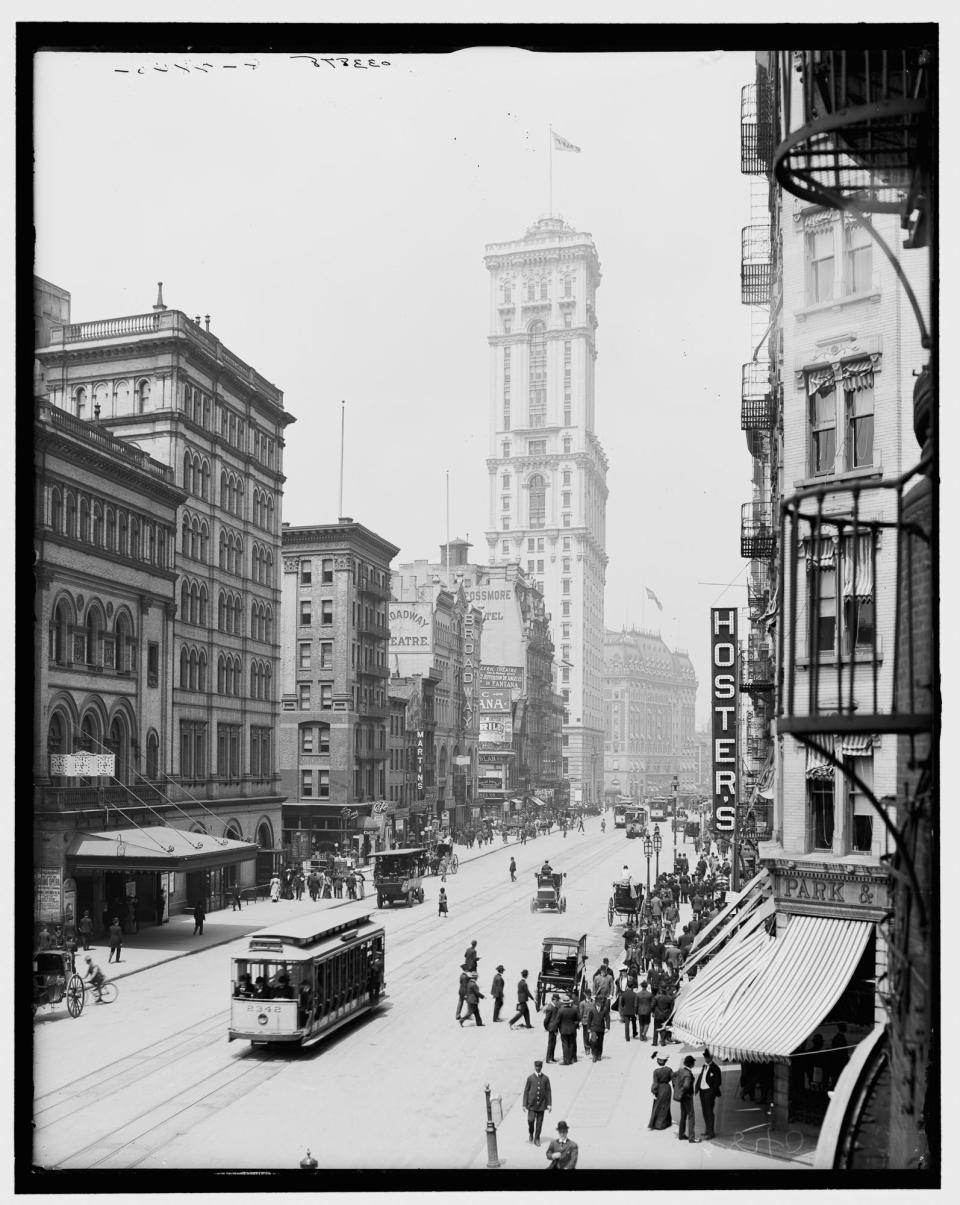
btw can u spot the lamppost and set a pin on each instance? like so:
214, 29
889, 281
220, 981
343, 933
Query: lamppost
648, 854
657, 846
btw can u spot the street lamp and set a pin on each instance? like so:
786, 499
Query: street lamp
648, 854
657, 846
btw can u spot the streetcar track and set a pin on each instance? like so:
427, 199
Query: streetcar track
175, 1049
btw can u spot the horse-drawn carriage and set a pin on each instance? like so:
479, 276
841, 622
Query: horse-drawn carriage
549, 897
441, 858
55, 979
625, 903
563, 967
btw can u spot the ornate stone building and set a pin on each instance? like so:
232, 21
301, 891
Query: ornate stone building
547, 469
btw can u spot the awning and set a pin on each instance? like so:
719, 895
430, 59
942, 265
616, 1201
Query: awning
762, 996
156, 848
746, 908
749, 892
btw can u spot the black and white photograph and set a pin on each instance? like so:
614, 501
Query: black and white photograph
484, 509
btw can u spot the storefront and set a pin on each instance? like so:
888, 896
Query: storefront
129, 873
786, 975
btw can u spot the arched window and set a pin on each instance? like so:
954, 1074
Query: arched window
203, 605
56, 510
94, 636
269, 514
538, 500
135, 550
537, 395
143, 396
223, 549
267, 680
161, 549
89, 739
153, 756
84, 530
222, 612
254, 624
204, 533
184, 669
224, 495
205, 480
122, 542
185, 601
194, 668
123, 634
194, 603
71, 520
188, 472
97, 533
80, 402
151, 543
57, 735
221, 675
268, 575
254, 679
268, 625
111, 529
202, 671
185, 530
60, 634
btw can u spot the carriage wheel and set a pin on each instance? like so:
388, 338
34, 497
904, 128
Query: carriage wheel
109, 993
420, 895
610, 913
563, 903
379, 901
75, 995
454, 863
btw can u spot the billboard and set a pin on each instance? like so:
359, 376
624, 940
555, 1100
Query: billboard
496, 700
502, 677
724, 700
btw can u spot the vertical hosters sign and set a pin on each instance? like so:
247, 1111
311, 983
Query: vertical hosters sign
723, 710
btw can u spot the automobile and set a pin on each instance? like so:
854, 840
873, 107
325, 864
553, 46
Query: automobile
563, 967
398, 874
549, 897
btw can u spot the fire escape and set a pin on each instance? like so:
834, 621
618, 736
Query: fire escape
858, 136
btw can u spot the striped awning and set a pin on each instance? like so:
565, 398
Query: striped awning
744, 898
762, 996
754, 911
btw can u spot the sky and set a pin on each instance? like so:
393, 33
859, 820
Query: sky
332, 222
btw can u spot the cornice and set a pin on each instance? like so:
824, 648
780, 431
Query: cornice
106, 468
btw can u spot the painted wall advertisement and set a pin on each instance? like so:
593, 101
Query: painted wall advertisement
491, 778
411, 627
723, 709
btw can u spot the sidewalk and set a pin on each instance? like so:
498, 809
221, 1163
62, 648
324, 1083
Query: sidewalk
157, 944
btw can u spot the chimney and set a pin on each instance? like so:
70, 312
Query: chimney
158, 304
206, 321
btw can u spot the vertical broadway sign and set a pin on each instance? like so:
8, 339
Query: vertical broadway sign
723, 709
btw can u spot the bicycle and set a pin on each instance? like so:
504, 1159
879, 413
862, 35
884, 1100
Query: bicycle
107, 992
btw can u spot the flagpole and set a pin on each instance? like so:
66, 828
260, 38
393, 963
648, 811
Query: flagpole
343, 408
550, 156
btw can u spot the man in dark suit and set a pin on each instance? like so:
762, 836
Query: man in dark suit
551, 1023
644, 1008
473, 997
496, 991
537, 1097
524, 996
568, 1018
562, 1151
683, 1091
470, 958
708, 1089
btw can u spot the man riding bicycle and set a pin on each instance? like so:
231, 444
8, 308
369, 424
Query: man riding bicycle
96, 977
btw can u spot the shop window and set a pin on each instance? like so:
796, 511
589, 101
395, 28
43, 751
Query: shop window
820, 794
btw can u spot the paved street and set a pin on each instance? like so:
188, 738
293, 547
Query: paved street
152, 1082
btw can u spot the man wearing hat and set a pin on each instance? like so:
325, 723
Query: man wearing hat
537, 1097
708, 1089
683, 1091
496, 991
470, 958
524, 995
551, 1023
562, 1151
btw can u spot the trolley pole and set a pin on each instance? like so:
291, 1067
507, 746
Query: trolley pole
493, 1158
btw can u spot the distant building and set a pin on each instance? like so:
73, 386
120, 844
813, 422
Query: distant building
650, 696
437, 634
547, 469
333, 750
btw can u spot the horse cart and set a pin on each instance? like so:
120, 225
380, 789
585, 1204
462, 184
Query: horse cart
549, 897
442, 859
624, 903
563, 968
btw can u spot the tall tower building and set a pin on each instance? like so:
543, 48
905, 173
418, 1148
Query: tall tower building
548, 490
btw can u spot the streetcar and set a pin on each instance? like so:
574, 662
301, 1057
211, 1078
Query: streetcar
620, 814
660, 809
301, 979
635, 820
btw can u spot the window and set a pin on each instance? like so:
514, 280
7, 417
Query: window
565, 608
193, 749
823, 428
565, 586
820, 256
506, 447
228, 750
821, 811
530, 545
530, 565
153, 663
505, 523
858, 433
306, 738
505, 502
306, 613
323, 784
565, 519
536, 447
303, 691
537, 394
539, 543
565, 674
305, 573
326, 698
505, 481
505, 549
539, 566
567, 476
565, 631
568, 320
538, 500
565, 564
326, 611
857, 259
326, 570
565, 650
565, 500
303, 661
261, 753
326, 654
306, 783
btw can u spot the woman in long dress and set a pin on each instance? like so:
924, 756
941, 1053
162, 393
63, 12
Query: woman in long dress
274, 889
662, 1089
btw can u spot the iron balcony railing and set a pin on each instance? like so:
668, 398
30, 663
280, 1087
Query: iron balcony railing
857, 126
756, 529
757, 411
755, 265
756, 130
853, 646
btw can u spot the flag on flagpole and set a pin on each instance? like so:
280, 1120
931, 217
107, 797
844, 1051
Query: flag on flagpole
561, 144
653, 597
